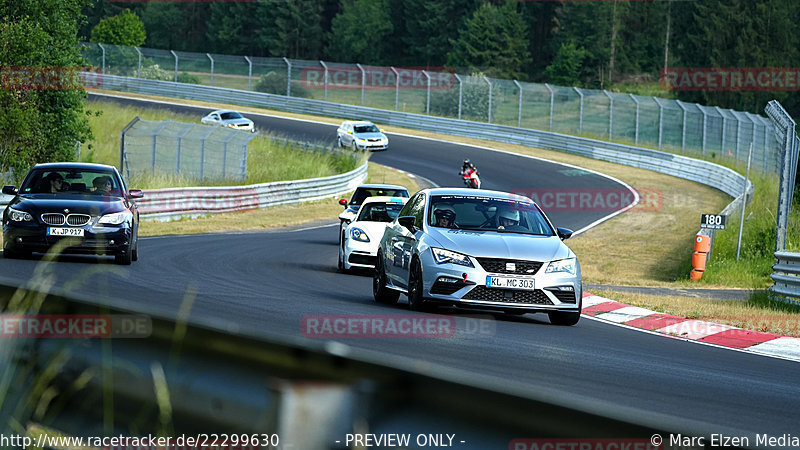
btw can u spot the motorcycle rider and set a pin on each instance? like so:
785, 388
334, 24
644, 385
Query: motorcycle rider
467, 169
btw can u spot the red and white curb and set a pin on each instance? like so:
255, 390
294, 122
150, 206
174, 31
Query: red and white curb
689, 329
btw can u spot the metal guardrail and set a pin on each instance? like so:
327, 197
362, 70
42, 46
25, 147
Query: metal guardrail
786, 275
172, 203
708, 173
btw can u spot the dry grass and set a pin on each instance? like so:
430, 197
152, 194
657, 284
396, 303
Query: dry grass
758, 314
275, 217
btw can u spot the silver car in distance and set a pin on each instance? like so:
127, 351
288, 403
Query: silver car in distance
478, 249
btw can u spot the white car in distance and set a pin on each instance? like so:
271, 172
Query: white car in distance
361, 135
360, 239
229, 119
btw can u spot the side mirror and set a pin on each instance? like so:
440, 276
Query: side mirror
10, 190
564, 233
407, 222
343, 202
136, 193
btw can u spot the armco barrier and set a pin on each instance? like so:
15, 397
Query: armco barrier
786, 275
722, 178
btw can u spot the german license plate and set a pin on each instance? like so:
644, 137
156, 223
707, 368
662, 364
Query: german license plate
527, 284
65, 232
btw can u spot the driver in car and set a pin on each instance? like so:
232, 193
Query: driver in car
508, 219
444, 216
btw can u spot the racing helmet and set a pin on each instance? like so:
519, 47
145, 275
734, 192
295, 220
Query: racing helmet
444, 212
509, 214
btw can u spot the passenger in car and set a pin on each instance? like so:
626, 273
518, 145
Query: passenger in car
102, 185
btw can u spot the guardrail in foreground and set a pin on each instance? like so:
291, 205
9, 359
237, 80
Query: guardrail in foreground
210, 376
786, 275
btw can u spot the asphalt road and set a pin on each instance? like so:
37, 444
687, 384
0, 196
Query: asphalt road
265, 283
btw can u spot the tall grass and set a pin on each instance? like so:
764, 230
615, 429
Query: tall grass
268, 158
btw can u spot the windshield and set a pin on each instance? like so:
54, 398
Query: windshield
379, 211
366, 129
487, 214
363, 193
70, 182
231, 115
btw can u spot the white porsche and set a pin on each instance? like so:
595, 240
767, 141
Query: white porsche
360, 238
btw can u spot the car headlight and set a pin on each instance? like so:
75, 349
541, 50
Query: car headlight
362, 140
230, 125
19, 216
442, 256
113, 219
359, 234
568, 265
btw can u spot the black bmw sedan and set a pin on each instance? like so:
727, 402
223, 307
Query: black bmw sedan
86, 203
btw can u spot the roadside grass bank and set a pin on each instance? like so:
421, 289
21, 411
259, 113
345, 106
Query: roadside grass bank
759, 313
268, 159
274, 217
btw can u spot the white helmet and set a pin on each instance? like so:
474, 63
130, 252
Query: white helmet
509, 214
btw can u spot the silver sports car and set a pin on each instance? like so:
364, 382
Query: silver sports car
480, 249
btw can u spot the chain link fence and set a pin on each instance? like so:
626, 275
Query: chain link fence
199, 152
712, 133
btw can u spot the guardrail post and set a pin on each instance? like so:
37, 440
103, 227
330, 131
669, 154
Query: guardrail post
396, 89
288, 76
660, 121
428, 95
610, 114
683, 133
552, 101
212, 68
325, 66
176, 64
580, 114
519, 115
363, 81
724, 126
460, 92
103, 68
139, 66
636, 132
249, 73
490, 98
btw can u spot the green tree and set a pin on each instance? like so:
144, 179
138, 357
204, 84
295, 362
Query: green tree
589, 25
232, 28
494, 40
126, 28
40, 121
359, 32
293, 29
565, 70
430, 27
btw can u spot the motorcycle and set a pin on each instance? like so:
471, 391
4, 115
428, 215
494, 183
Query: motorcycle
471, 178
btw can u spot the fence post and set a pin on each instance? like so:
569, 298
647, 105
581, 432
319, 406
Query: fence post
610, 114
363, 81
103, 63
325, 66
738, 134
636, 132
176, 64
766, 141
460, 92
139, 66
225, 153
249, 73
724, 131
490, 97
552, 100
396, 89
178, 152
155, 138
288, 76
660, 121
428, 95
705, 127
580, 114
753, 134
519, 115
683, 133
122, 142
212, 68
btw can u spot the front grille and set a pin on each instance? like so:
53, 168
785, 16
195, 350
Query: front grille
563, 296
53, 218
355, 258
373, 140
535, 297
522, 267
78, 220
